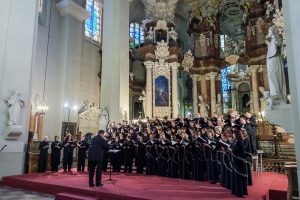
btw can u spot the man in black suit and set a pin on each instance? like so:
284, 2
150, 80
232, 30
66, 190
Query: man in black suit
98, 146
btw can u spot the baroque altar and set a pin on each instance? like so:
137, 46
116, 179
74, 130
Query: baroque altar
161, 60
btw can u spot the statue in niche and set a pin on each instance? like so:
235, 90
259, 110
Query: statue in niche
275, 66
203, 106
150, 34
143, 98
188, 61
104, 118
219, 104
250, 103
15, 103
173, 34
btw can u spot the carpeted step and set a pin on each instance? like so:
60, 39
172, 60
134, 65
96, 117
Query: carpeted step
277, 194
71, 196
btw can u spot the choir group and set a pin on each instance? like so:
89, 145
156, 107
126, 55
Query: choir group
216, 149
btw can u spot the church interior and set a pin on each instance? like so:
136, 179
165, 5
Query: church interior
74, 67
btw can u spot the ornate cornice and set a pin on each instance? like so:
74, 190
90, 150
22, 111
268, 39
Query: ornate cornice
69, 7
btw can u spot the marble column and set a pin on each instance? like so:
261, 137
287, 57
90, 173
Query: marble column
174, 67
203, 86
292, 30
115, 61
195, 94
149, 105
18, 24
255, 92
213, 94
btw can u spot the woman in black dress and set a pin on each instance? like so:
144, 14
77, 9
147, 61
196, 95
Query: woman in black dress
248, 156
43, 158
239, 171
69, 144
83, 146
55, 154
140, 155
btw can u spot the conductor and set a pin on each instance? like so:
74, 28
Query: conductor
95, 158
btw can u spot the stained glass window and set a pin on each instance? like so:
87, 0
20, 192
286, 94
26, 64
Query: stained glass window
136, 33
226, 86
93, 25
222, 41
40, 7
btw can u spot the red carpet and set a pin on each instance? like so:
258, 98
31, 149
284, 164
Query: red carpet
144, 187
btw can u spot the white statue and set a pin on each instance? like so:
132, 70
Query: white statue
131, 76
125, 115
270, 8
268, 100
150, 34
172, 34
275, 66
250, 102
14, 103
219, 104
104, 118
144, 99
203, 106
188, 61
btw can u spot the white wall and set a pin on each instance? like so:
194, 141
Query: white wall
72, 72
89, 82
292, 30
17, 42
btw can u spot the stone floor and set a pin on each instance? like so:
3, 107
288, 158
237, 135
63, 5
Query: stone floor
13, 194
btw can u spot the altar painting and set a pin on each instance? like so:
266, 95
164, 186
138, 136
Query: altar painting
161, 92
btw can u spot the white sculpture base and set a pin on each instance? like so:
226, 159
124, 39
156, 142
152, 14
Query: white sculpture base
280, 115
13, 132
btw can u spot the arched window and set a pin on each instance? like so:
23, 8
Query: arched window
93, 25
226, 87
136, 34
40, 6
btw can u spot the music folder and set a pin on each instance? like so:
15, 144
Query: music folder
113, 151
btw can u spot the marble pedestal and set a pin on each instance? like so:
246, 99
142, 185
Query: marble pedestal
280, 115
13, 132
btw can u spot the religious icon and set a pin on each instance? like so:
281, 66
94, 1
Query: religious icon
161, 91
68, 128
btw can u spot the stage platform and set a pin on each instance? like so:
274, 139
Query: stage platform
74, 185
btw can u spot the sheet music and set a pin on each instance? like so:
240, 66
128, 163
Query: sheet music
113, 151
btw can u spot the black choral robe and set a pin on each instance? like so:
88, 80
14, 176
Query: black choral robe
68, 154
43, 158
55, 155
82, 148
140, 157
239, 172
